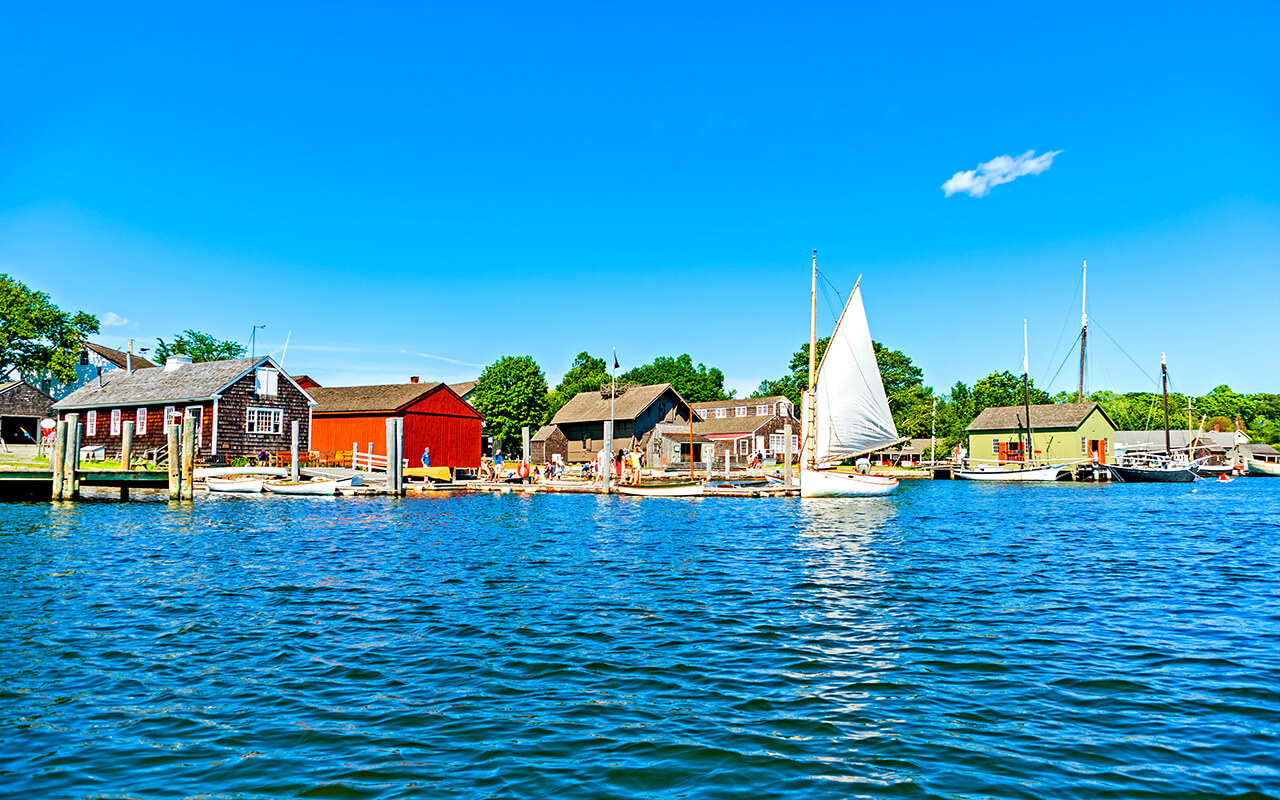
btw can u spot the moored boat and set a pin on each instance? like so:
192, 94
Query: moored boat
322, 487
1264, 469
1169, 472
685, 489
848, 413
240, 484
1212, 470
1047, 474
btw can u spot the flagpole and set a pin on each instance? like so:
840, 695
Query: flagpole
613, 394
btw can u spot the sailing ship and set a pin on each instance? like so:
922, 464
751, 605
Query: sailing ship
1028, 471
848, 412
1157, 469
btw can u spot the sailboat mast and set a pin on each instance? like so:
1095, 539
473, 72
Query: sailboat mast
813, 350
1026, 394
1164, 387
1084, 327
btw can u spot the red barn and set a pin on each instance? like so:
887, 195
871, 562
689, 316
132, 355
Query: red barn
434, 416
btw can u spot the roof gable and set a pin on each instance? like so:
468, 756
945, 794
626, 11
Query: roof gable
201, 381
1043, 417
379, 397
595, 407
118, 358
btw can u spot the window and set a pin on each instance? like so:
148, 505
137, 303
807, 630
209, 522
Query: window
1084, 445
264, 420
141, 424
268, 381
795, 442
172, 418
720, 413
995, 447
91, 423
115, 422
782, 409
740, 411
777, 442
761, 410
84, 358
744, 445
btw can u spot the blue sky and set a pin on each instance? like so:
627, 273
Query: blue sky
420, 189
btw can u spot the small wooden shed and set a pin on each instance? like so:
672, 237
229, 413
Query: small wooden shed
434, 416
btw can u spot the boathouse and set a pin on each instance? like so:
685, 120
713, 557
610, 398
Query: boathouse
635, 411
22, 406
434, 416
1060, 432
241, 406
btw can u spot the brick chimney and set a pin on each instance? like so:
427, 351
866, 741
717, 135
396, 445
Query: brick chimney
413, 379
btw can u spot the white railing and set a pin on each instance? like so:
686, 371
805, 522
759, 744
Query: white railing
370, 462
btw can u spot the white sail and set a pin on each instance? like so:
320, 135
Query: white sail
853, 413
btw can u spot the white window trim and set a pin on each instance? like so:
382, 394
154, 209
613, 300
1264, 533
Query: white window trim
140, 421
761, 410
91, 423
117, 419
251, 421
740, 411
172, 418
266, 382
721, 413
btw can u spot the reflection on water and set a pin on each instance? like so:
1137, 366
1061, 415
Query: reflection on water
950, 641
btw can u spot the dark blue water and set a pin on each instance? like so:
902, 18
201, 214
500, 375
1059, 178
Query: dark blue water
956, 640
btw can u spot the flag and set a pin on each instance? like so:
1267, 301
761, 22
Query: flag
615, 359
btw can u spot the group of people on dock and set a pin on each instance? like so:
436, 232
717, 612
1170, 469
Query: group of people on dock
626, 465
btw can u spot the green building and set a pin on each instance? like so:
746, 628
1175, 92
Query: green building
1060, 432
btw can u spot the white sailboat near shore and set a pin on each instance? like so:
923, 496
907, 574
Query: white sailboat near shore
848, 412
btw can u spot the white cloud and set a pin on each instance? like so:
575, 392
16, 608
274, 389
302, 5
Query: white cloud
1001, 169
113, 320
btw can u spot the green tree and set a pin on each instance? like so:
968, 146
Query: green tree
1004, 389
695, 384
38, 338
199, 347
511, 393
587, 374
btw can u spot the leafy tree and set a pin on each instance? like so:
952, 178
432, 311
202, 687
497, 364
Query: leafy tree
1004, 389
199, 346
897, 371
511, 393
695, 384
585, 375
37, 337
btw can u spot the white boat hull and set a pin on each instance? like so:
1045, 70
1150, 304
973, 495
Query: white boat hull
231, 485
305, 488
661, 490
200, 473
829, 483
1046, 474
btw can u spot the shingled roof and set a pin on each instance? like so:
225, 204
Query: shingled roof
120, 359
594, 407
720, 426
382, 397
190, 382
742, 401
1043, 417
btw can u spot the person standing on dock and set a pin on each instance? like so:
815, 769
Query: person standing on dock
426, 456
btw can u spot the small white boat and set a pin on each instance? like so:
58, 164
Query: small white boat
325, 487
240, 484
660, 490
829, 483
200, 473
1046, 474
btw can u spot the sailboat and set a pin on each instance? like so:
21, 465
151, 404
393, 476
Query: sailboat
1164, 469
848, 411
1028, 471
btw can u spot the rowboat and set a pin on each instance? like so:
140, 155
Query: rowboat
324, 487
200, 473
1263, 469
1047, 474
685, 489
246, 484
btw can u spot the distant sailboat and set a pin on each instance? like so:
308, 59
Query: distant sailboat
1162, 469
848, 410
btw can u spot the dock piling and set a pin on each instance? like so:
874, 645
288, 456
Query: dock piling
524, 440
174, 454
126, 446
69, 454
606, 468
188, 457
293, 452
786, 432
55, 458
391, 455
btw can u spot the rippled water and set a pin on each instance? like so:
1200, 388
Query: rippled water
955, 640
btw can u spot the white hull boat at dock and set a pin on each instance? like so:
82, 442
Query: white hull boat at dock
200, 473
660, 490
329, 487
239, 484
829, 483
1046, 474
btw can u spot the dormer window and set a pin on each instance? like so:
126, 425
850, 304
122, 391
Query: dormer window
84, 358
268, 381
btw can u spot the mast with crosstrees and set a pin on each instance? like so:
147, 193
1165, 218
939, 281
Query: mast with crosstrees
1084, 327
812, 421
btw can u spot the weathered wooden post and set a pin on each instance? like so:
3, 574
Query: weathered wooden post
399, 455
786, 432
70, 452
293, 452
126, 446
524, 441
391, 454
188, 458
175, 484
126, 454
606, 469
728, 452
56, 457
355, 455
